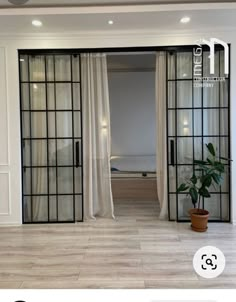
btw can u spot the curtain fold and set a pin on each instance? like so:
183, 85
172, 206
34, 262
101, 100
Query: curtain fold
98, 199
161, 149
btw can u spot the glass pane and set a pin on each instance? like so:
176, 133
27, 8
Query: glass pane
171, 66
184, 94
224, 94
76, 96
78, 180
51, 124
52, 181
26, 152
224, 147
51, 96
184, 172
63, 68
184, 65
53, 208
206, 64
39, 181
38, 96
24, 71
171, 94
76, 68
50, 68
211, 121
65, 180
172, 179
212, 205
198, 148
64, 124
184, 122
65, 208
224, 121
52, 152
172, 200
37, 68
38, 124
27, 181
25, 124
185, 150
25, 96
184, 205
27, 209
211, 96
197, 122
197, 96
40, 208
77, 124
64, 152
78, 208
39, 152
171, 123
63, 96
222, 64
214, 141
225, 207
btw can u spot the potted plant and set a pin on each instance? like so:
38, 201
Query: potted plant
210, 174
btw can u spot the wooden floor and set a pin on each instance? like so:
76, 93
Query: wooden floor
135, 251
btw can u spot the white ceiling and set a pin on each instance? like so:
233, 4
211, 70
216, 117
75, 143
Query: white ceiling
156, 21
5, 3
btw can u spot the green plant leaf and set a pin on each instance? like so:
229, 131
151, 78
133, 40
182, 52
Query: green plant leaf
204, 192
182, 188
206, 180
219, 167
217, 178
211, 149
194, 194
194, 179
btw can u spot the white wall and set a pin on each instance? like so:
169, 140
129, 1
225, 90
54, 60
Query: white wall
10, 169
133, 118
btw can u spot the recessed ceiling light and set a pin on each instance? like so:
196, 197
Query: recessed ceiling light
185, 20
37, 23
22, 60
110, 22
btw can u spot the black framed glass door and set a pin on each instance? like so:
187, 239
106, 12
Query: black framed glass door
198, 112
51, 124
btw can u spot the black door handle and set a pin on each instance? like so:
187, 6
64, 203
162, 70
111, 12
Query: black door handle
77, 155
172, 152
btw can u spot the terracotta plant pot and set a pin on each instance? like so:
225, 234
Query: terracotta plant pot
199, 219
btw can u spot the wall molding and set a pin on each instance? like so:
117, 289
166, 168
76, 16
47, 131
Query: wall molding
9, 194
4, 95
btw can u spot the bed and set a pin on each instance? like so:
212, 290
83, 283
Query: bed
134, 177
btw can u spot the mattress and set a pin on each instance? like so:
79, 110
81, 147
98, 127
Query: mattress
133, 163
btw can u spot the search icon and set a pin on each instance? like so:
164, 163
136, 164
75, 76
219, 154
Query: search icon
209, 262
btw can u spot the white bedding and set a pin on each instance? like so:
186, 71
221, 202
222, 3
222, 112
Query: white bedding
133, 163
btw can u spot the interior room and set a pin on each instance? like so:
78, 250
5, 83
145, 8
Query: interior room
106, 106
131, 78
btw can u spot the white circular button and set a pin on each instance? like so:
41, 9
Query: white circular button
209, 262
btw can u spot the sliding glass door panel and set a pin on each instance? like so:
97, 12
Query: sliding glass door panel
52, 158
196, 115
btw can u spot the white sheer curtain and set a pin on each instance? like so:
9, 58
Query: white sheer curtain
161, 133
96, 132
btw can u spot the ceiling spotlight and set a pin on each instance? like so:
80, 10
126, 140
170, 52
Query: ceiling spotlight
37, 23
110, 22
185, 20
18, 2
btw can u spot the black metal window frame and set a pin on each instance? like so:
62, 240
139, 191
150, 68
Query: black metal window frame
79, 51
77, 160
172, 158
